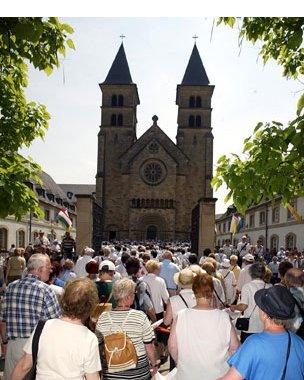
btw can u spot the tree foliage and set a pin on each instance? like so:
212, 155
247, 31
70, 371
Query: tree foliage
24, 41
272, 164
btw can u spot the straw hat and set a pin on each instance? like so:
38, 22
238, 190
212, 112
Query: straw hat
184, 278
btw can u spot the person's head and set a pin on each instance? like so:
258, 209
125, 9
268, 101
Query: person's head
41, 233
87, 251
196, 269
259, 242
18, 252
132, 266
267, 275
208, 267
39, 265
184, 278
124, 291
106, 270
225, 264
153, 266
106, 251
56, 268
274, 259
248, 259
206, 251
294, 278
212, 261
233, 260
92, 269
68, 264
192, 258
167, 255
67, 234
145, 257
283, 268
276, 305
203, 286
124, 257
244, 239
79, 298
257, 270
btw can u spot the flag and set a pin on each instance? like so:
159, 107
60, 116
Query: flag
240, 224
234, 224
294, 213
63, 218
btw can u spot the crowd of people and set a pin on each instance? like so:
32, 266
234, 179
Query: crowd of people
119, 313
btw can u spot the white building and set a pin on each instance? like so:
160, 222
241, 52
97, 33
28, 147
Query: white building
268, 221
51, 199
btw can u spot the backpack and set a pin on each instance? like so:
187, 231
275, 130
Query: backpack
140, 291
300, 331
119, 350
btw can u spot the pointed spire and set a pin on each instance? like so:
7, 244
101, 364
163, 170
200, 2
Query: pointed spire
119, 72
195, 72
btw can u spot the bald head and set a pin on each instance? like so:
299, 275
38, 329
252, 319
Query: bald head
294, 277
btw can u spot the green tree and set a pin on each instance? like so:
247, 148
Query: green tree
272, 164
24, 41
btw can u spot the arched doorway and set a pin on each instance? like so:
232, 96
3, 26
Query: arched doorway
151, 233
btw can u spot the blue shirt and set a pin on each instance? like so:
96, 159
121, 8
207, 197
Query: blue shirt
167, 271
262, 357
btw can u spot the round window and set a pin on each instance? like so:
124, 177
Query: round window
153, 173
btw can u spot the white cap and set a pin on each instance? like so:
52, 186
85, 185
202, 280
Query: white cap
107, 263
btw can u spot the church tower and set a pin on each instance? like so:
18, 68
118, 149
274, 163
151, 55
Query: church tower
194, 136
118, 127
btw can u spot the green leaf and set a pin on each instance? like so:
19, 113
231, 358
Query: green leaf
48, 70
300, 105
70, 44
67, 28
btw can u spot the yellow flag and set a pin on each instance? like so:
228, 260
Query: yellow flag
294, 213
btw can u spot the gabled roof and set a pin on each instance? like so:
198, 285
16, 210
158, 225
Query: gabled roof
119, 72
195, 73
71, 190
155, 133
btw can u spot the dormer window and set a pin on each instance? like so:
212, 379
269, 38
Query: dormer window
120, 100
198, 102
114, 101
191, 102
198, 121
191, 121
113, 119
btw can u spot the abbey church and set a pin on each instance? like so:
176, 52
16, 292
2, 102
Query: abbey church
149, 187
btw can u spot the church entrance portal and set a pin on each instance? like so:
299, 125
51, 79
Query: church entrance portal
151, 233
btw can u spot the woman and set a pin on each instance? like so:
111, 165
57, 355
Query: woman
185, 299
229, 281
15, 266
67, 272
202, 338
137, 327
67, 349
247, 304
265, 355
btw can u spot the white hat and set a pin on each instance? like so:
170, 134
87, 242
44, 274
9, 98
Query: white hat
225, 263
107, 265
248, 257
184, 278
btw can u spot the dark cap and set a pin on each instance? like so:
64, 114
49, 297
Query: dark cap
92, 267
277, 302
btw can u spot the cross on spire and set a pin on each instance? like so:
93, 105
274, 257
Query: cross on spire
122, 37
195, 37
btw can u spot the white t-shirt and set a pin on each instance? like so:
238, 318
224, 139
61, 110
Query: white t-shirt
157, 289
230, 284
203, 339
66, 351
178, 304
80, 265
247, 297
244, 277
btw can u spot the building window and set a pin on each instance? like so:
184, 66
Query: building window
198, 102
113, 119
198, 121
120, 119
262, 218
262, 240
46, 214
120, 101
274, 242
191, 102
21, 238
114, 101
3, 238
251, 220
191, 121
289, 214
276, 214
290, 241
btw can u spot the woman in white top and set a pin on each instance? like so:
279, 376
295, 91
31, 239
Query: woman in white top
67, 349
185, 299
202, 338
229, 281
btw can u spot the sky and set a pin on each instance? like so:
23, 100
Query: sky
158, 50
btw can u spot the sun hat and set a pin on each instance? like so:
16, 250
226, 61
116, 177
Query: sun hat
184, 278
277, 302
248, 257
225, 263
106, 265
92, 267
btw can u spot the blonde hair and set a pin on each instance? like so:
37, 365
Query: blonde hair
123, 288
152, 266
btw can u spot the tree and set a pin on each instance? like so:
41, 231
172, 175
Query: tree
23, 41
273, 161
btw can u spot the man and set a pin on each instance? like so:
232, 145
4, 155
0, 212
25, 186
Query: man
259, 250
79, 269
68, 245
242, 248
105, 283
120, 268
41, 240
274, 267
227, 248
167, 271
245, 277
26, 301
281, 254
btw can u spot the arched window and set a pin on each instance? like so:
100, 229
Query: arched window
191, 121
21, 239
276, 214
120, 119
274, 242
191, 102
137, 202
3, 238
198, 102
166, 203
290, 241
113, 119
198, 121
120, 100
162, 203
157, 203
114, 101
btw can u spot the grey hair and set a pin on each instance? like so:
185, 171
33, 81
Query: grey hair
257, 270
123, 288
36, 261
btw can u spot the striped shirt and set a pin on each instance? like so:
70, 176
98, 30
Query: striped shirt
25, 302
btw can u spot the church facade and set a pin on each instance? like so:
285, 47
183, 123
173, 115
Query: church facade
148, 186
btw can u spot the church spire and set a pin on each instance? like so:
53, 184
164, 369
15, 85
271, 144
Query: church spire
119, 72
195, 72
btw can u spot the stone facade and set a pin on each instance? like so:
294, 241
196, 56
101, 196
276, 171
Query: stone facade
148, 187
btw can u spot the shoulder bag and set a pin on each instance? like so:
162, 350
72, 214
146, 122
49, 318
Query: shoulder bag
31, 375
300, 331
287, 356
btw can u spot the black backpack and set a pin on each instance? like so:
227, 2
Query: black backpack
300, 331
